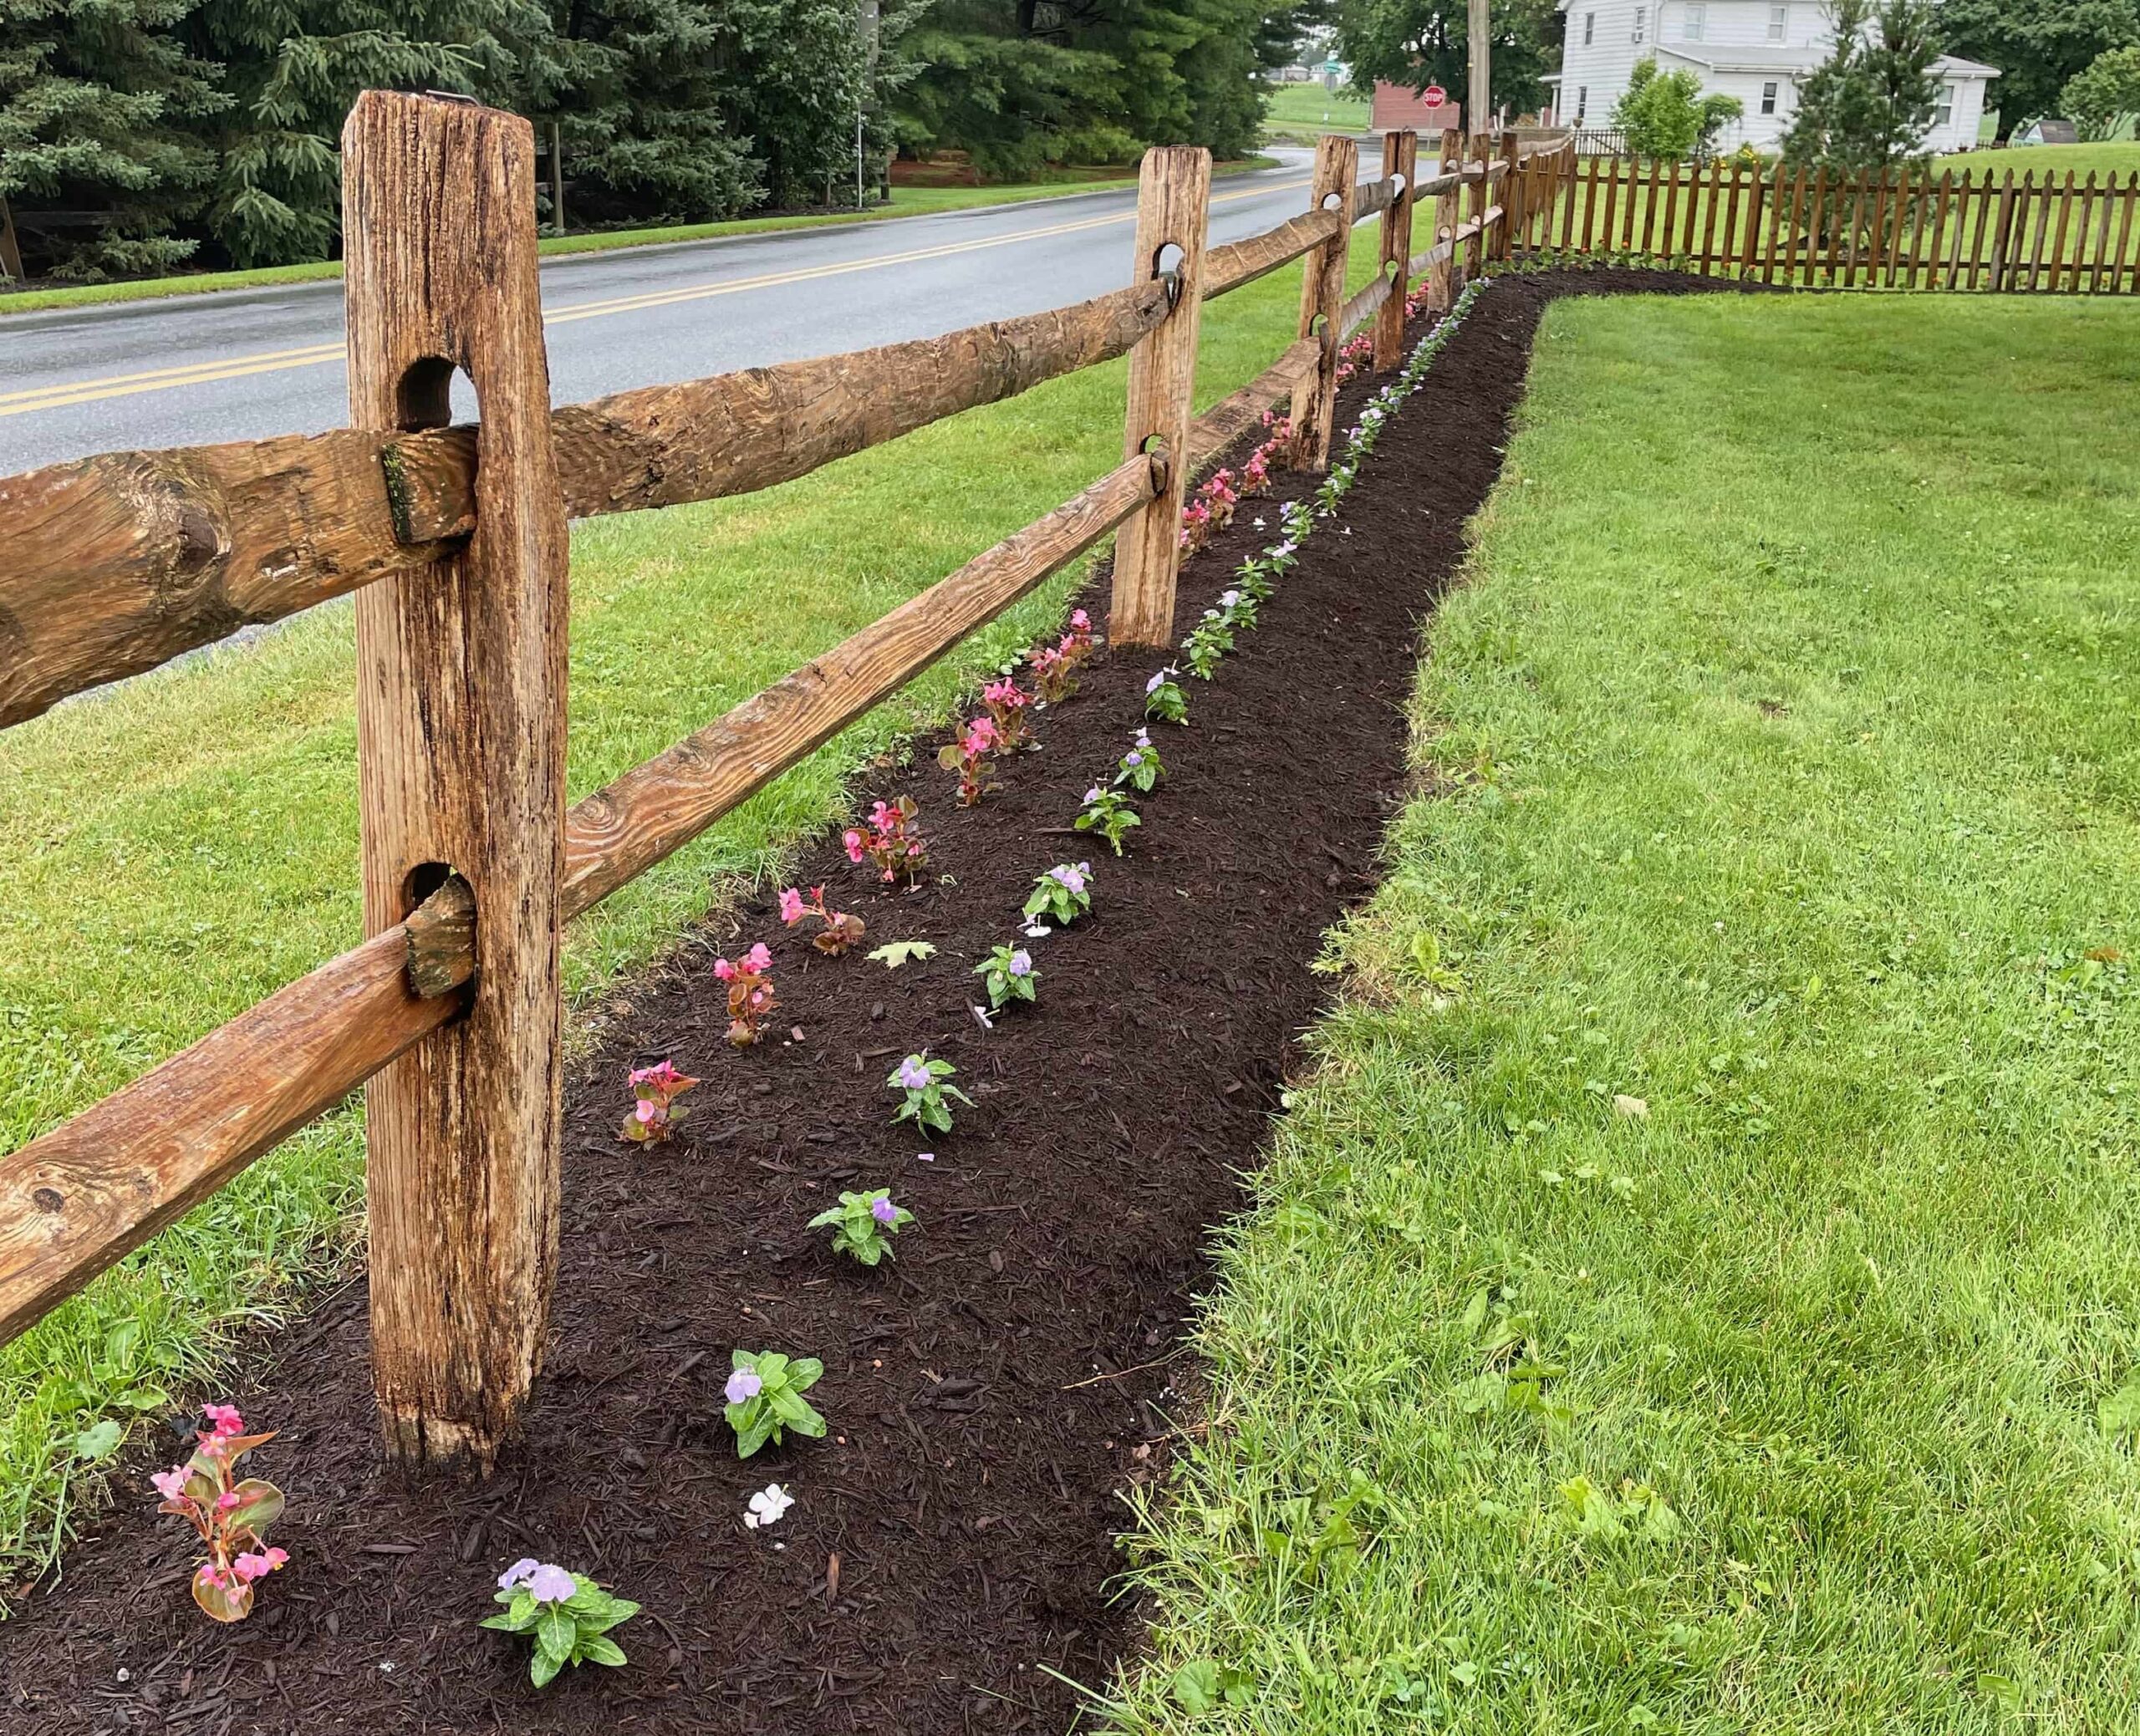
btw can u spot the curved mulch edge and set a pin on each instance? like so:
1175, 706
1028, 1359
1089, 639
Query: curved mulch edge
992, 1391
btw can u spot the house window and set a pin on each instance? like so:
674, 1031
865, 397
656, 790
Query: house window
1768, 97
1942, 113
1589, 28
1642, 22
1694, 22
1779, 23
1581, 102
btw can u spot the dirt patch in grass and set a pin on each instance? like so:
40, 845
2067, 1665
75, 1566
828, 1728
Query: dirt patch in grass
991, 1391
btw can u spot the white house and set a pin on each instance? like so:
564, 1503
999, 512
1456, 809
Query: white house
1756, 50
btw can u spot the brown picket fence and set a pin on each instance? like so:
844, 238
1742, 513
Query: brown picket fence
1908, 228
453, 541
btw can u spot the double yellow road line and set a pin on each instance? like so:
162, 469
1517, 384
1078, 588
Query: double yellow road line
164, 379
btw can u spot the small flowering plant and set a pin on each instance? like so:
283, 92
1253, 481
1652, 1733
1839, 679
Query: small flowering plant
566, 1614
1008, 975
1107, 813
230, 1513
1238, 607
765, 1398
839, 930
1296, 518
1258, 577
1163, 698
924, 1104
1064, 892
1007, 705
751, 997
968, 756
862, 1225
1209, 640
1055, 669
892, 840
1141, 768
655, 1116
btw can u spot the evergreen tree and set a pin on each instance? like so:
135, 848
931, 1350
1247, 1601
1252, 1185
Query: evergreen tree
294, 67
1871, 102
98, 102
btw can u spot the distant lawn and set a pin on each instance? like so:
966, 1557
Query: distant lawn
905, 202
1777, 769
2120, 157
1310, 108
174, 850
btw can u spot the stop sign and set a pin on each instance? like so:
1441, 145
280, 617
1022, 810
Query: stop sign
1434, 96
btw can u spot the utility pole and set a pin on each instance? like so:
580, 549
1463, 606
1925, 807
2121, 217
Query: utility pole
1479, 33
867, 23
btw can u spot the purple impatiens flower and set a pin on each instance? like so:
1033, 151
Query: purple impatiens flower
1071, 879
520, 1571
743, 1384
1092, 795
551, 1585
883, 1211
913, 1074
1021, 963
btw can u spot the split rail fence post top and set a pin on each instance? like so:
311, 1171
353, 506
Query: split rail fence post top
1323, 298
1400, 156
1449, 212
460, 743
1174, 199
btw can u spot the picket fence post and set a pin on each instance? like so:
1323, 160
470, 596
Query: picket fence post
1174, 198
1323, 298
461, 734
1400, 156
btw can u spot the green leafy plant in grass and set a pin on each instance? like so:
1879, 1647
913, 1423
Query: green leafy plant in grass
765, 1398
862, 1225
925, 1103
566, 1615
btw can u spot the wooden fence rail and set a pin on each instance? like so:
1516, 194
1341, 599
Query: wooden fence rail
1922, 228
453, 541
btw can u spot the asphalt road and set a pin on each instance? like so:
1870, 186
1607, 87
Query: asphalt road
246, 364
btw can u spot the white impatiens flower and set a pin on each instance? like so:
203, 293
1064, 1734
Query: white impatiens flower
767, 1504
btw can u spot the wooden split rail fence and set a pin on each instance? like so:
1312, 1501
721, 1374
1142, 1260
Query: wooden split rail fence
1912, 228
453, 540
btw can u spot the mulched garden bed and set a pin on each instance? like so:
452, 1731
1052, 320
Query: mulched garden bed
992, 1390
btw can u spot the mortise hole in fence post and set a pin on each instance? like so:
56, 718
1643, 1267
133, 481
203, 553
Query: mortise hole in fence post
1173, 187
1400, 156
460, 671
1322, 299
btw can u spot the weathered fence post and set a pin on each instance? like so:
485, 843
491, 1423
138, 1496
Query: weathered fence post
461, 739
1449, 212
1479, 150
1323, 298
1174, 198
1400, 156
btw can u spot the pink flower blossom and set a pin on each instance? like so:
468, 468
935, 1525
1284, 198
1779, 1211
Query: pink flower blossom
758, 958
852, 840
250, 1567
225, 1418
791, 906
724, 969
171, 1485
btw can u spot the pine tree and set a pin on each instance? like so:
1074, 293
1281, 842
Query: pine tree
97, 99
294, 67
1871, 102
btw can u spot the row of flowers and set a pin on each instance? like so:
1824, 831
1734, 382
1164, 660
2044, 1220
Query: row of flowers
566, 1616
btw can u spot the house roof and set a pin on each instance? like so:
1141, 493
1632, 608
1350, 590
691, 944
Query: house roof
1725, 59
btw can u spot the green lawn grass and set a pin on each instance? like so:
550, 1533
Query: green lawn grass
173, 850
1307, 110
2118, 157
1777, 769
905, 202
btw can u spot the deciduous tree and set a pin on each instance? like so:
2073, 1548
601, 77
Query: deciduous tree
2037, 45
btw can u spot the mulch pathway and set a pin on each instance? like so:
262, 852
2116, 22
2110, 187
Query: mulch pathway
993, 1391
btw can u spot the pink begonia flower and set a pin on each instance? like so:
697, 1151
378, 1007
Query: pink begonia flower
1080, 620
723, 969
226, 1501
250, 1567
852, 840
171, 1485
758, 958
743, 1385
646, 1112
224, 1417
791, 906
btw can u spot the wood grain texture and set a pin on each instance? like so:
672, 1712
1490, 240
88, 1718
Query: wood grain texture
1370, 196
621, 832
1174, 198
1227, 268
1441, 271
77, 1200
1372, 297
460, 733
1400, 161
1322, 299
1232, 416
123, 560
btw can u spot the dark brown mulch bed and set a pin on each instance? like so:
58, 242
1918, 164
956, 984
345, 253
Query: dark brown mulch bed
990, 1392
